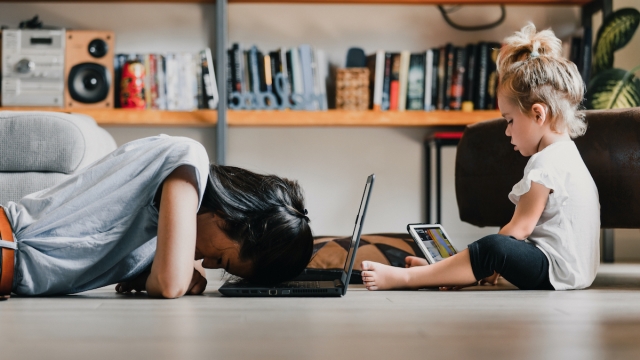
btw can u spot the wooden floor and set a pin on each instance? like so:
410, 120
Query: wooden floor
602, 322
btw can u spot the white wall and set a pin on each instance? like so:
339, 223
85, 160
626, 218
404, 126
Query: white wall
330, 163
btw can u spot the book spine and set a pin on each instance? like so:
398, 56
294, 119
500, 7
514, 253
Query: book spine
322, 71
246, 67
267, 74
289, 65
230, 75
386, 82
435, 79
448, 78
457, 78
306, 67
238, 67
378, 80
213, 96
276, 68
470, 84
371, 65
254, 72
196, 81
262, 72
442, 61
153, 81
428, 80
415, 82
298, 82
480, 100
405, 57
394, 84
118, 62
162, 87
171, 81
147, 81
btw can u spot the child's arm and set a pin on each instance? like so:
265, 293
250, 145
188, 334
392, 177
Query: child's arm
172, 269
527, 212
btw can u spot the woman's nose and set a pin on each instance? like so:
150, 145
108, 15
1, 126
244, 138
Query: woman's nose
508, 131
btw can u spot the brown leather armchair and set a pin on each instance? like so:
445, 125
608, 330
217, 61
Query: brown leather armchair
487, 167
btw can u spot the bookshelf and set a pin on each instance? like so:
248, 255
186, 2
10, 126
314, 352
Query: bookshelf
222, 118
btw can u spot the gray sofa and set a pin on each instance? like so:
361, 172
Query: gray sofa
39, 149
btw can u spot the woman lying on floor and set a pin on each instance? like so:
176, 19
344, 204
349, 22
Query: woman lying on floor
143, 216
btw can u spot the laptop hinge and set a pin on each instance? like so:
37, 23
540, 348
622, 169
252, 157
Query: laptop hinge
337, 283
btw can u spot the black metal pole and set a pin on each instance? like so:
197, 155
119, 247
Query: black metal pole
221, 69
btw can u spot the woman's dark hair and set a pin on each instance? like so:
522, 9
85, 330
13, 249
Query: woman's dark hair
265, 214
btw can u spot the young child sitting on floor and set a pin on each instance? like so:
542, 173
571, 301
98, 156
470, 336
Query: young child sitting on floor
552, 241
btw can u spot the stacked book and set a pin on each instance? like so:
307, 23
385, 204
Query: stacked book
442, 78
173, 81
296, 77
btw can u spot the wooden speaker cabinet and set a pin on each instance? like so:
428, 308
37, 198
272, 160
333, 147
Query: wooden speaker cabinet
88, 69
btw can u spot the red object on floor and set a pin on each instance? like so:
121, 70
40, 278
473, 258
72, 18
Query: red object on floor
452, 135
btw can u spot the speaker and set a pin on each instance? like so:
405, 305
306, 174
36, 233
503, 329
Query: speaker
88, 69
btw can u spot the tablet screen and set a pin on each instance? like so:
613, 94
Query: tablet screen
436, 242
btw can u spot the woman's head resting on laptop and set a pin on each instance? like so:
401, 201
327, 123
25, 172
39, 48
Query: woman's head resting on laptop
254, 226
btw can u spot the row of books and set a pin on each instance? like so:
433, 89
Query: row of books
173, 81
303, 71
441, 78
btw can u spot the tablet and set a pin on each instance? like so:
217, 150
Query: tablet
432, 240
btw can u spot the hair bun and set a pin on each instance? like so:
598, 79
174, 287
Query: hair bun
527, 44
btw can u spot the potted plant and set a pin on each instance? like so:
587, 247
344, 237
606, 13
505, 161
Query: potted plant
612, 88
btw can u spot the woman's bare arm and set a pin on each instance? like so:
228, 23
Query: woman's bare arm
172, 268
528, 212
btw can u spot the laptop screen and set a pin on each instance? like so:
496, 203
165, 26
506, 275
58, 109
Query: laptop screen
357, 230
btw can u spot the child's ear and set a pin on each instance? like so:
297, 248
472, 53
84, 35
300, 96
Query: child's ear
540, 113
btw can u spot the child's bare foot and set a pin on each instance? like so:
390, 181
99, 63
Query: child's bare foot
376, 276
411, 261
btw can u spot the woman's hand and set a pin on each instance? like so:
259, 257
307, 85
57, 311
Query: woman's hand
138, 284
198, 283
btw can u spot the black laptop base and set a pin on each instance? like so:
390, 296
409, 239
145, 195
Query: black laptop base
288, 289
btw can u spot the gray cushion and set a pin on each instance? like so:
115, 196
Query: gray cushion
16, 185
40, 149
42, 141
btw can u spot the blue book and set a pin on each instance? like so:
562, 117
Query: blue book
306, 63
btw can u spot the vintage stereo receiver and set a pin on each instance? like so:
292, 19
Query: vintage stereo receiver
33, 67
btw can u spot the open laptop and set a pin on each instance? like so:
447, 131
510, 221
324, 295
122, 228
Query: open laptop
316, 288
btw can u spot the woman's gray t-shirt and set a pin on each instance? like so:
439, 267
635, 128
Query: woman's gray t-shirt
99, 226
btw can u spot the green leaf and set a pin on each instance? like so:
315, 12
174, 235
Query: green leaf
613, 89
615, 32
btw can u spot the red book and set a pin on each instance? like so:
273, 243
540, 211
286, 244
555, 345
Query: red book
394, 86
394, 92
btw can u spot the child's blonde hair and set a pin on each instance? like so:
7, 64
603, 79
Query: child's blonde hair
532, 70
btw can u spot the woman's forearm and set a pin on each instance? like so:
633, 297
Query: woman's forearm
172, 267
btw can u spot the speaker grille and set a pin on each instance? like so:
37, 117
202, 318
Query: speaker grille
89, 83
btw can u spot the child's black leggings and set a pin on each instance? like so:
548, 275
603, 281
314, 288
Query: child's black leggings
521, 263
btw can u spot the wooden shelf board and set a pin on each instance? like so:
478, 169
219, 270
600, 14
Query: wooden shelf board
125, 117
358, 118
423, 2
389, 2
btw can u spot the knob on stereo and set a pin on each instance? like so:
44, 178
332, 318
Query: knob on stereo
24, 66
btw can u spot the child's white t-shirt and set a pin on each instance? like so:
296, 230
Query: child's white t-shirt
568, 231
